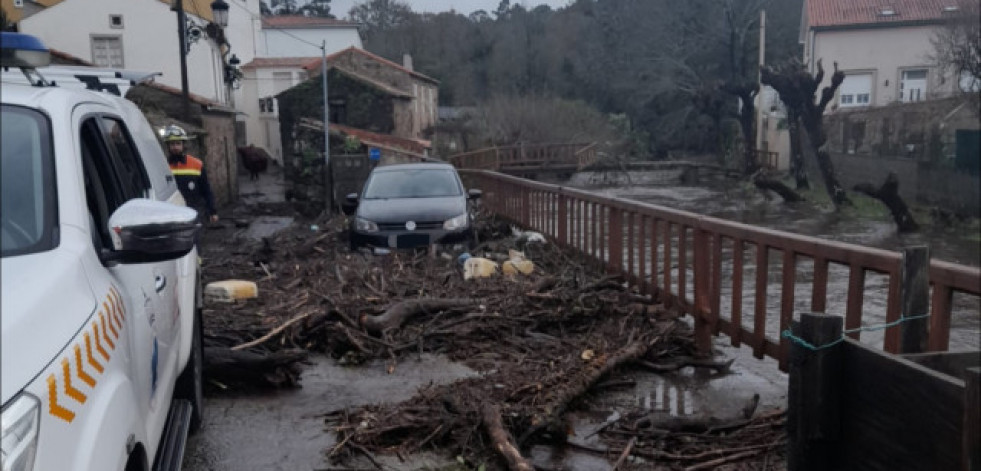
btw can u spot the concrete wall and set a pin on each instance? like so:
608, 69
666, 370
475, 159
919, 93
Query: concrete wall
303, 42
884, 52
919, 182
149, 40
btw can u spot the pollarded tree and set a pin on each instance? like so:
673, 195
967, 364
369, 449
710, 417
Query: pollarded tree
957, 47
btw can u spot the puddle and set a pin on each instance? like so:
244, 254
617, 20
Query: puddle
284, 430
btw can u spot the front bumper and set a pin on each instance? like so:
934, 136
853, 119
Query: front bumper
410, 239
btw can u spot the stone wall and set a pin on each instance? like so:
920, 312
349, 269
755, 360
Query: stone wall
920, 182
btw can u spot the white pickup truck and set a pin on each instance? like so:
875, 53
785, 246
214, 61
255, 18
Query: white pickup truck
101, 328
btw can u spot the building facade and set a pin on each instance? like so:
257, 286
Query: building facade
883, 47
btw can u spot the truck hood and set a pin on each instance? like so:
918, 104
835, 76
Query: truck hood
45, 301
395, 210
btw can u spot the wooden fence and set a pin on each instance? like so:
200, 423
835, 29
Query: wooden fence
678, 256
539, 156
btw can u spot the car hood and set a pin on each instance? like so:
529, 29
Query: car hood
412, 209
45, 300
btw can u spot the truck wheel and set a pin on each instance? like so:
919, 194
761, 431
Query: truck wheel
190, 383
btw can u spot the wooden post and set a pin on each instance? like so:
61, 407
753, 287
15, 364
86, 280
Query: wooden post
813, 400
703, 326
525, 207
915, 288
563, 220
615, 242
972, 423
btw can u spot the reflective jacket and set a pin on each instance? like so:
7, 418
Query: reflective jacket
193, 183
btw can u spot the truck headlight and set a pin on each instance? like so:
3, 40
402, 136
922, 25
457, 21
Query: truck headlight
21, 419
458, 222
364, 225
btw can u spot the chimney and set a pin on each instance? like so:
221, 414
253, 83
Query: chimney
407, 61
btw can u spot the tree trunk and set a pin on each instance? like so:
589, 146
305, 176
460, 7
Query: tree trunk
761, 181
797, 167
395, 315
888, 194
502, 440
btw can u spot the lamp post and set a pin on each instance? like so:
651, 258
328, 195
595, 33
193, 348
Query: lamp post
219, 12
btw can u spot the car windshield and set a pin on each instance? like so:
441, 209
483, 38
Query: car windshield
422, 183
27, 191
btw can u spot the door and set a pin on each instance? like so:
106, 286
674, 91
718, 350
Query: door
113, 174
913, 85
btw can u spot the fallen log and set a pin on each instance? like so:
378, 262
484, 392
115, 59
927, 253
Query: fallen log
599, 368
501, 439
681, 362
272, 333
776, 186
279, 369
398, 313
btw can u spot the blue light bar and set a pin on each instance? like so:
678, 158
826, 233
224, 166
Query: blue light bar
22, 50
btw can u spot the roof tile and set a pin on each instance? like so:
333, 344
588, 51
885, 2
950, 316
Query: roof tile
831, 13
299, 21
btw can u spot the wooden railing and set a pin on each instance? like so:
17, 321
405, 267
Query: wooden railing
682, 258
768, 160
540, 156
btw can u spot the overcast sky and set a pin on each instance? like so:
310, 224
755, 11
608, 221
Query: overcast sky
340, 7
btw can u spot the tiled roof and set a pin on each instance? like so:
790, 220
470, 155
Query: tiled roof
60, 57
263, 62
416, 146
832, 13
298, 21
315, 64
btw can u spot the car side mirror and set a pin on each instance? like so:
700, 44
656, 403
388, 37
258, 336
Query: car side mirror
350, 204
146, 231
474, 194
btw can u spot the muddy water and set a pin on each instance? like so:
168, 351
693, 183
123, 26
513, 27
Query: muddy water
735, 202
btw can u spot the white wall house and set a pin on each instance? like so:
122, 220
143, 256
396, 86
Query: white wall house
136, 35
301, 36
284, 45
883, 47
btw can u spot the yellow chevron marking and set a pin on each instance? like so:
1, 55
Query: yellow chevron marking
69, 389
114, 314
98, 344
82, 375
88, 353
112, 319
53, 407
119, 303
105, 332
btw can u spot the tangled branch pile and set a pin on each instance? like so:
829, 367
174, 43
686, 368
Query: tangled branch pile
539, 342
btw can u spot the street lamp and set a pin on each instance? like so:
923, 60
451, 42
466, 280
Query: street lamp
188, 32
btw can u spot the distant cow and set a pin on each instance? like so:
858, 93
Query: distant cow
255, 159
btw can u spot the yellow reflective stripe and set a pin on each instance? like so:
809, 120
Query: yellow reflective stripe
186, 171
69, 389
78, 366
53, 407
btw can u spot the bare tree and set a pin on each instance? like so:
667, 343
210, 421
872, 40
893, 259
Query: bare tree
798, 89
957, 47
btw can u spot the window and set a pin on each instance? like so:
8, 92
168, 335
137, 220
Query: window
913, 85
135, 182
107, 51
856, 90
413, 184
116, 21
29, 212
18, 3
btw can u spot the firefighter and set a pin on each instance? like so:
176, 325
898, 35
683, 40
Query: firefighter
189, 173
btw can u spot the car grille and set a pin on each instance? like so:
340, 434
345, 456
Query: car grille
420, 226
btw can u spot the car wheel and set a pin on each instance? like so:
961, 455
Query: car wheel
190, 383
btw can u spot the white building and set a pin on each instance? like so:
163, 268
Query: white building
883, 47
285, 45
135, 35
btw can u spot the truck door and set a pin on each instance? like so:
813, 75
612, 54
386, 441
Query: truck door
114, 174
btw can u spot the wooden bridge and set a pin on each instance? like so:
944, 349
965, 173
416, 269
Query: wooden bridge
529, 160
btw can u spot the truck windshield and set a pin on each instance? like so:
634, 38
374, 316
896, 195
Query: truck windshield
27, 193
422, 183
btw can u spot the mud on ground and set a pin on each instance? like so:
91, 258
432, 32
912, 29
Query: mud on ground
545, 345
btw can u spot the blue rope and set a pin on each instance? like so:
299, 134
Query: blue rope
804, 343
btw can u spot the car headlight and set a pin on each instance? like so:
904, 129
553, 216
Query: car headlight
458, 222
364, 225
20, 422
